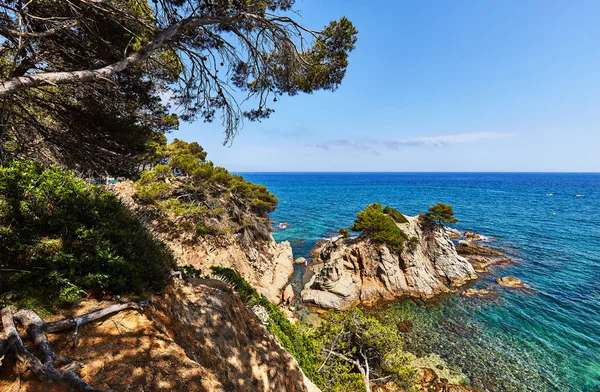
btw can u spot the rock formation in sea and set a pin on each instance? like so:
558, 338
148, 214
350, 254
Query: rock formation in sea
352, 270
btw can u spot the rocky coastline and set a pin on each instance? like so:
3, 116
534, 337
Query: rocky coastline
349, 271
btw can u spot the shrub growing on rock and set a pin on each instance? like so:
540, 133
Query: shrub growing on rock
395, 214
373, 222
60, 236
196, 196
344, 233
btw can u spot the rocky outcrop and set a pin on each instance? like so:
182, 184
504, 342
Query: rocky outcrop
196, 337
266, 265
471, 236
258, 258
511, 281
469, 248
348, 271
453, 234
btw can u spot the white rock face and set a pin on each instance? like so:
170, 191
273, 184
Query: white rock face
267, 265
358, 270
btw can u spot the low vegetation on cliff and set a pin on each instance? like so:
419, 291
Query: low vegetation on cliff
345, 353
61, 237
193, 195
380, 227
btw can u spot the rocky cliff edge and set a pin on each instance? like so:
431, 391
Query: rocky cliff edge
347, 271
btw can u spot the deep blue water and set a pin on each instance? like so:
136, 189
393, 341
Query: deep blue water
547, 339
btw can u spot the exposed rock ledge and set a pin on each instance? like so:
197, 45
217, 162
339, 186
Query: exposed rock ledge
348, 271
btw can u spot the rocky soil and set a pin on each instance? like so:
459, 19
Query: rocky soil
196, 336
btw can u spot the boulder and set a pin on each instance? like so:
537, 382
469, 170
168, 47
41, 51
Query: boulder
511, 281
427, 376
288, 294
300, 261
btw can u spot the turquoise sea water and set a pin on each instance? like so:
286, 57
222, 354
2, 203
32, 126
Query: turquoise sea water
547, 339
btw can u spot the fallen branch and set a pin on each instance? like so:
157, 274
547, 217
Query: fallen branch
36, 328
76, 322
47, 372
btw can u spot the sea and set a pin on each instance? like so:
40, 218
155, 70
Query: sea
546, 338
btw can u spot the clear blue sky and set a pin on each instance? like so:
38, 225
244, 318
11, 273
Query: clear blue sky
466, 85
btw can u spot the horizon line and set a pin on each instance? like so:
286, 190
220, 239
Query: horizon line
414, 172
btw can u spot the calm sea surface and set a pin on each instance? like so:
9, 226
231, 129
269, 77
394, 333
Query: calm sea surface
547, 339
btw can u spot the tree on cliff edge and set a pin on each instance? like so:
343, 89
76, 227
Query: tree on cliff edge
62, 62
359, 352
441, 213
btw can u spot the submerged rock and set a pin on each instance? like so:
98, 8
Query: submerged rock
405, 326
348, 271
511, 281
478, 293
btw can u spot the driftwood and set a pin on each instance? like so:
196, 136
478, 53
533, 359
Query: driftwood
44, 366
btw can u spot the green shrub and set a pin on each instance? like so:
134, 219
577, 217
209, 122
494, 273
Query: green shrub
186, 198
395, 214
380, 227
297, 342
344, 233
69, 237
189, 271
441, 213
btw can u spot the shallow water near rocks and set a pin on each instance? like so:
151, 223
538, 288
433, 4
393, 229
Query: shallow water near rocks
544, 339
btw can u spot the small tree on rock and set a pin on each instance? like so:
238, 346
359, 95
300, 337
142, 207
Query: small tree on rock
441, 213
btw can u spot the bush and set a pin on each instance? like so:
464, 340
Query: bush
344, 233
395, 214
67, 237
298, 343
380, 227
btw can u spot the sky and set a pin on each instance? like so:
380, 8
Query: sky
464, 85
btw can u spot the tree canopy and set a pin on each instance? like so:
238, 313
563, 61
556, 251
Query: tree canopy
380, 227
358, 352
441, 213
90, 82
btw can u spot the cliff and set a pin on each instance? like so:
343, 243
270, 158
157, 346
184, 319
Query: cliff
347, 271
249, 249
195, 336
